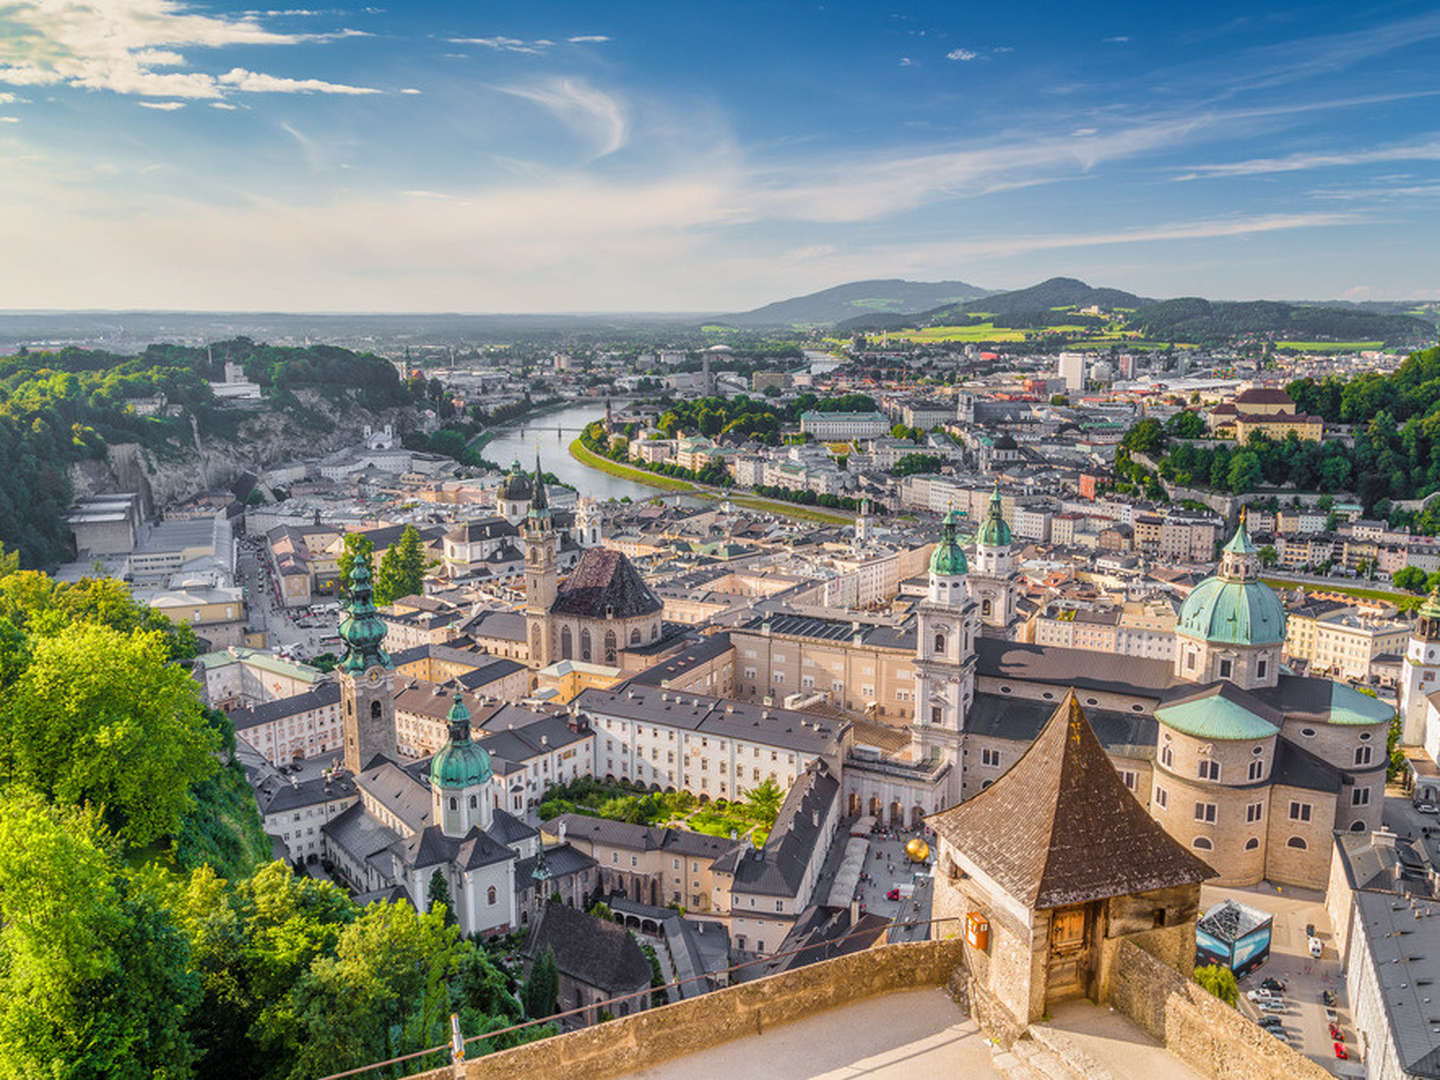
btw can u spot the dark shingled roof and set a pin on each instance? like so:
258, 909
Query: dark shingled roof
592, 951
604, 585
1060, 827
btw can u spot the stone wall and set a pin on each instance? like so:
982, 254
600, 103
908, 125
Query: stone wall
638, 1042
1211, 1037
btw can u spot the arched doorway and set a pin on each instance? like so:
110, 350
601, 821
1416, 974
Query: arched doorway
897, 814
917, 816
854, 804
875, 807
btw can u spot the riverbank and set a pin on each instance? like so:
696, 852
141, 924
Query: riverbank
588, 457
796, 512
482, 438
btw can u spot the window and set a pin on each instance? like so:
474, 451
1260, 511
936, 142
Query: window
1127, 777
490, 895
1167, 756
1203, 843
1297, 842
1362, 754
1360, 797
1205, 811
1260, 666
939, 643
1226, 666
990, 757
1209, 770
1254, 812
374, 710
1299, 811
454, 803
610, 647
567, 644
472, 802
1256, 770
779, 905
1162, 798
1190, 661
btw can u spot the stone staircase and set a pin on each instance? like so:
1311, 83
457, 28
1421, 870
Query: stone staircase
1046, 1054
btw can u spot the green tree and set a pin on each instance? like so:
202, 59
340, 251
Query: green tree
94, 978
763, 801
402, 568
542, 986
1410, 578
1220, 981
357, 546
1186, 424
439, 893
1268, 555
1244, 473
100, 717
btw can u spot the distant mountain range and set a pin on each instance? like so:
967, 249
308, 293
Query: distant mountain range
1059, 300
857, 298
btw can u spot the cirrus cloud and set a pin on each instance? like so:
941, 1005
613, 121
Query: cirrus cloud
961, 54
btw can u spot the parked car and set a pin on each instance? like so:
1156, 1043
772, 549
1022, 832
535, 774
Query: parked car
1427, 808
1341, 1052
1331, 1016
1271, 1004
1327, 996
1273, 984
893, 894
1317, 947
1264, 995
1270, 1022
1336, 1033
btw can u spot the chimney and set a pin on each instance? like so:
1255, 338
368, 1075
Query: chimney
815, 818
562, 832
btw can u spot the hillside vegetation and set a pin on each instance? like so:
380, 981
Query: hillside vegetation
62, 407
856, 298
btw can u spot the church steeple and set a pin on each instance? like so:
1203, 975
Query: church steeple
539, 500
362, 629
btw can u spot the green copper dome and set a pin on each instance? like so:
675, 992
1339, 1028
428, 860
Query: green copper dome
994, 533
1430, 609
1234, 607
362, 629
462, 762
949, 556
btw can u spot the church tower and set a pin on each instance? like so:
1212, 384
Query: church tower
587, 523
540, 574
1422, 672
993, 580
367, 677
944, 659
460, 774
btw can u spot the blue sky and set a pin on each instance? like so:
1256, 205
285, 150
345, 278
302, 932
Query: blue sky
548, 156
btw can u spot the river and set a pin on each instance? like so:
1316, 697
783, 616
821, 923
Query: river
519, 442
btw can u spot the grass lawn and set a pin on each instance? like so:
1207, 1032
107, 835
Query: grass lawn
582, 454
796, 511
1328, 346
979, 332
1404, 601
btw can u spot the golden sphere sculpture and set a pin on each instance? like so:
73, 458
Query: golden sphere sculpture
918, 850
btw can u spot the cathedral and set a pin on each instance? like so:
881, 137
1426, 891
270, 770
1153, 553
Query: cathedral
1249, 766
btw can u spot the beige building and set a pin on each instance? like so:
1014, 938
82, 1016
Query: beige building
1347, 643
856, 666
292, 728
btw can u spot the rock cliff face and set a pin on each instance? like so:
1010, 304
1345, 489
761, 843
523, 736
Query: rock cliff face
264, 437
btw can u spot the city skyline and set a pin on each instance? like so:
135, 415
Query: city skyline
445, 158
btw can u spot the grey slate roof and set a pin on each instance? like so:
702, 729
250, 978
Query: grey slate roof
1297, 767
778, 868
592, 951
720, 717
1402, 936
562, 860
1080, 668
1129, 734
707, 648
325, 693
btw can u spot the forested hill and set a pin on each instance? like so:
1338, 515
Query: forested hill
59, 408
1056, 292
1192, 319
856, 298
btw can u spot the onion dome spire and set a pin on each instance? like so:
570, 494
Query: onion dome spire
362, 629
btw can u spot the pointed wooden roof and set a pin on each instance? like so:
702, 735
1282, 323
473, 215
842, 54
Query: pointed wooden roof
1061, 827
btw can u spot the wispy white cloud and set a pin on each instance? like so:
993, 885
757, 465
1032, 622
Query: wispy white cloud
961, 54
499, 44
1300, 162
223, 105
586, 110
410, 90
1369, 194
9, 119
132, 46
597, 39
252, 82
163, 106
905, 61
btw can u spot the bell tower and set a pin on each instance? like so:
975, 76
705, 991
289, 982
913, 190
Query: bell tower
1421, 676
540, 574
366, 676
944, 661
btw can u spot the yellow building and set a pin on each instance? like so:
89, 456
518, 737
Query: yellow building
566, 678
1278, 425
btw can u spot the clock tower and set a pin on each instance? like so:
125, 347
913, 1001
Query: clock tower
367, 678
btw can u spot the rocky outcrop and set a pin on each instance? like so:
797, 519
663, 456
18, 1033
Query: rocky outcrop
264, 437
